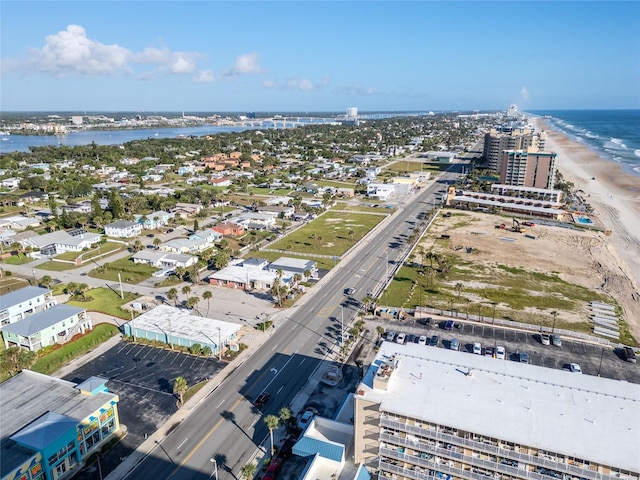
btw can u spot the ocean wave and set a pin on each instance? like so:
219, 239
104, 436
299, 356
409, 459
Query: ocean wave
615, 144
636, 153
591, 135
618, 142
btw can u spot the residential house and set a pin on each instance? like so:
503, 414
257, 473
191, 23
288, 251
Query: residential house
153, 220
123, 229
221, 182
24, 302
57, 324
247, 274
229, 229
55, 243
184, 210
184, 245
34, 196
18, 222
283, 211
164, 259
12, 182
257, 221
208, 235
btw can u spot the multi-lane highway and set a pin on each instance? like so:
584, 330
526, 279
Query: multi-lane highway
226, 427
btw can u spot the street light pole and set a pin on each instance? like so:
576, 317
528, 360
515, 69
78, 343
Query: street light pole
341, 325
219, 353
601, 355
494, 314
215, 468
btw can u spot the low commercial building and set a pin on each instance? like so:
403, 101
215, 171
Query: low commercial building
423, 413
163, 259
177, 326
248, 274
51, 426
26, 301
292, 266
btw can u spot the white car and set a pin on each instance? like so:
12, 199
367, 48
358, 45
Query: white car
477, 348
305, 419
401, 338
422, 340
501, 353
575, 368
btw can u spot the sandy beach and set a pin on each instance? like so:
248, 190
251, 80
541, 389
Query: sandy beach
615, 198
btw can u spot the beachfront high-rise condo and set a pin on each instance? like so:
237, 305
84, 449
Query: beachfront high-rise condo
528, 168
435, 413
510, 138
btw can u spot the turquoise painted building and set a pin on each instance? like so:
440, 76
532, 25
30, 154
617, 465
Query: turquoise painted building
50, 426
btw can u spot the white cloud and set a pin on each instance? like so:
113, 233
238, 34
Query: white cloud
305, 84
204, 76
524, 93
245, 64
269, 84
72, 53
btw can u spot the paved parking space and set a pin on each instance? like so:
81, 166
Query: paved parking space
593, 359
143, 376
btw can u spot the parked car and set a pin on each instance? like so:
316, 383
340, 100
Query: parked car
545, 339
448, 325
575, 368
477, 348
629, 354
273, 469
411, 338
501, 353
261, 400
305, 419
171, 230
433, 342
391, 335
401, 338
350, 291
422, 340
523, 357
150, 235
454, 344
556, 340
488, 352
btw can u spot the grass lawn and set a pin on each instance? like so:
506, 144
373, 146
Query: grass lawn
329, 233
56, 266
19, 259
105, 300
270, 191
9, 283
53, 360
130, 272
324, 263
335, 184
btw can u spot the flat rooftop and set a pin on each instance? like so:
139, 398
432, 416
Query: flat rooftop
577, 415
181, 323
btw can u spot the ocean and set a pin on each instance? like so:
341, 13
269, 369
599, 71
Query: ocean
614, 134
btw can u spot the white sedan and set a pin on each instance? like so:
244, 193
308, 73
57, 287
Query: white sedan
501, 353
477, 348
575, 368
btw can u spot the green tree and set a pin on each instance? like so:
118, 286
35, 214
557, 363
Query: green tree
116, 204
46, 281
172, 294
186, 290
180, 388
207, 296
272, 422
285, 415
16, 359
248, 471
196, 225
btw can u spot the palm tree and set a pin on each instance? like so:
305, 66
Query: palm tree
207, 296
351, 233
285, 414
186, 290
272, 422
181, 272
380, 330
157, 242
46, 281
180, 388
172, 294
459, 289
192, 302
248, 471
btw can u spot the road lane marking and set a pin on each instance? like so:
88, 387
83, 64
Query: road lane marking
280, 389
220, 404
302, 361
183, 442
204, 439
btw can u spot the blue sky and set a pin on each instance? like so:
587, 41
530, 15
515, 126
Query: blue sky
318, 56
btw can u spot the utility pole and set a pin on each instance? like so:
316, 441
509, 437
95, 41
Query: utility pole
120, 281
341, 325
601, 355
133, 330
219, 356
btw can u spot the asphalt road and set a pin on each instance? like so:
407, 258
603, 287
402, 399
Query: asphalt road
226, 427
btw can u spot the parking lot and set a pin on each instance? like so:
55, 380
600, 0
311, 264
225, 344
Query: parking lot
143, 377
593, 359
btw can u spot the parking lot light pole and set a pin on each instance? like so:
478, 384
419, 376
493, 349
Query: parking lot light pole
601, 355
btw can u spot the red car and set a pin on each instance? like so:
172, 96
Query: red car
272, 471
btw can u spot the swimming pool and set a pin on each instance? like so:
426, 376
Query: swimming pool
584, 220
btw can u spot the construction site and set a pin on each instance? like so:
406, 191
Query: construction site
525, 271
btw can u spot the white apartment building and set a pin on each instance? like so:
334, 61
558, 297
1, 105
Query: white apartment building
424, 413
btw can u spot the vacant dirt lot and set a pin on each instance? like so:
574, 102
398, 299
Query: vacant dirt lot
580, 257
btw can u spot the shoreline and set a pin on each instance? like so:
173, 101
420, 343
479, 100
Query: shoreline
614, 195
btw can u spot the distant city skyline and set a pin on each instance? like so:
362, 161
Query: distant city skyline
318, 56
